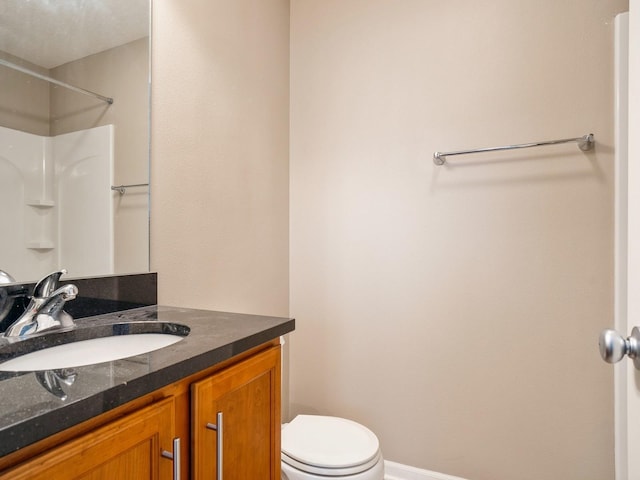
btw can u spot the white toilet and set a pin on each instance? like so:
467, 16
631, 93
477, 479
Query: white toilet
315, 447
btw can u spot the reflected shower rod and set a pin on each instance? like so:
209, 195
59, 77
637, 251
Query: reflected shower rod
585, 143
26, 71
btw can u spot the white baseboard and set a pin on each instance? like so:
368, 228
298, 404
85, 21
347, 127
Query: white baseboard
397, 471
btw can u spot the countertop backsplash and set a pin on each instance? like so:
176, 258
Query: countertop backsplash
97, 295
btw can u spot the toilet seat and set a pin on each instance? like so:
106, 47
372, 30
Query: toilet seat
331, 472
329, 446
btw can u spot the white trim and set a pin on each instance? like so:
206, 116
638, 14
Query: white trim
621, 122
397, 471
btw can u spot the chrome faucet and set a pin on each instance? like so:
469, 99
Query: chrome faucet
50, 380
45, 308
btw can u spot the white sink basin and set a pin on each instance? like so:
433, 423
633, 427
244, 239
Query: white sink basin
89, 352
88, 346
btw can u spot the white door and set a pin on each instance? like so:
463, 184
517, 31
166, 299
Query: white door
633, 262
627, 378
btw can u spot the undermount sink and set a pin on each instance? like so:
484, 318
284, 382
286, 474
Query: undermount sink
89, 345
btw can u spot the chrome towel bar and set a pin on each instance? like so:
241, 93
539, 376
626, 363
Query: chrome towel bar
123, 188
584, 143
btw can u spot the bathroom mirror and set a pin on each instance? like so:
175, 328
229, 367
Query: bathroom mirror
74, 122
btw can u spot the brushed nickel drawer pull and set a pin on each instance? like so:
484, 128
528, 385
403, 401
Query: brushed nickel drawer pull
175, 456
219, 443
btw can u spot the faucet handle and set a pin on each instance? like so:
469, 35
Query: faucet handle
45, 287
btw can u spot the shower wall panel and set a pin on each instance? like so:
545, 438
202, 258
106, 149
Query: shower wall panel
83, 179
56, 202
27, 207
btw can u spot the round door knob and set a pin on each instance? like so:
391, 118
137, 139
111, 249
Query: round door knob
613, 346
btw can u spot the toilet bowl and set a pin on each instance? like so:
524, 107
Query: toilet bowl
316, 447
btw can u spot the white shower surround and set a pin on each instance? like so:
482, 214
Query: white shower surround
57, 202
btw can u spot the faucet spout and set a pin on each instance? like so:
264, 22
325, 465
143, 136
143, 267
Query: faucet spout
45, 310
47, 285
52, 305
50, 313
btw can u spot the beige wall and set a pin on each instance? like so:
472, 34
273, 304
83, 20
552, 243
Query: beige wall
24, 100
220, 123
455, 309
121, 73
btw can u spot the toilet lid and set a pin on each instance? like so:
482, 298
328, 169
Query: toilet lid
328, 442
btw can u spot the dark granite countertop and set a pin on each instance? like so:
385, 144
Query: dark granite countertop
29, 413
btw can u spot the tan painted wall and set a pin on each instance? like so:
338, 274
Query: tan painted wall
455, 310
121, 73
24, 100
220, 124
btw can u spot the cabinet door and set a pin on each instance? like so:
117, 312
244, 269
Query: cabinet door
129, 448
247, 395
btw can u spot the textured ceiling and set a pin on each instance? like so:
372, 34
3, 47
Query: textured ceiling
53, 32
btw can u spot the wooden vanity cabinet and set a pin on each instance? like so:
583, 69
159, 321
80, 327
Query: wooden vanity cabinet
235, 418
127, 443
128, 448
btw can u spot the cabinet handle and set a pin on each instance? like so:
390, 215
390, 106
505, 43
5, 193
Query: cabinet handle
219, 436
175, 456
